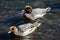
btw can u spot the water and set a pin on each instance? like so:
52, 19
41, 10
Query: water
9, 15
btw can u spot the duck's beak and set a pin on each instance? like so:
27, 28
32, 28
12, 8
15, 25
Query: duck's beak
9, 32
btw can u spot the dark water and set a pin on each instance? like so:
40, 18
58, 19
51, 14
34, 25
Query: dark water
9, 15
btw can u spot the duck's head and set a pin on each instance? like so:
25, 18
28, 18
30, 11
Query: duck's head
13, 29
28, 9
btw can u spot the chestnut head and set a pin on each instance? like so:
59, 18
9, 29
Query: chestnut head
12, 29
28, 9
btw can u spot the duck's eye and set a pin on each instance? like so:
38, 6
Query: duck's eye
12, 28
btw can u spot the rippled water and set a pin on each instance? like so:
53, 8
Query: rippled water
9, 15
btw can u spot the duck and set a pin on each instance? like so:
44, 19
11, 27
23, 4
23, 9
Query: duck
28, 28
36, 12
24, 30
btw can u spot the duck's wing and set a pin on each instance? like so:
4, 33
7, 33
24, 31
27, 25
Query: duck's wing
39, 12
24, 27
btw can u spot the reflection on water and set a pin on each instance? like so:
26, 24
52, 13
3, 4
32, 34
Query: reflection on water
9, 15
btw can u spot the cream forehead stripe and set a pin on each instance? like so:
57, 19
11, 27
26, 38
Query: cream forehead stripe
27, 6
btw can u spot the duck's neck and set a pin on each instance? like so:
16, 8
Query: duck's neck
17, 32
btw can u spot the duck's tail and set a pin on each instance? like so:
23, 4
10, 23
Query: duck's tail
48, 9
